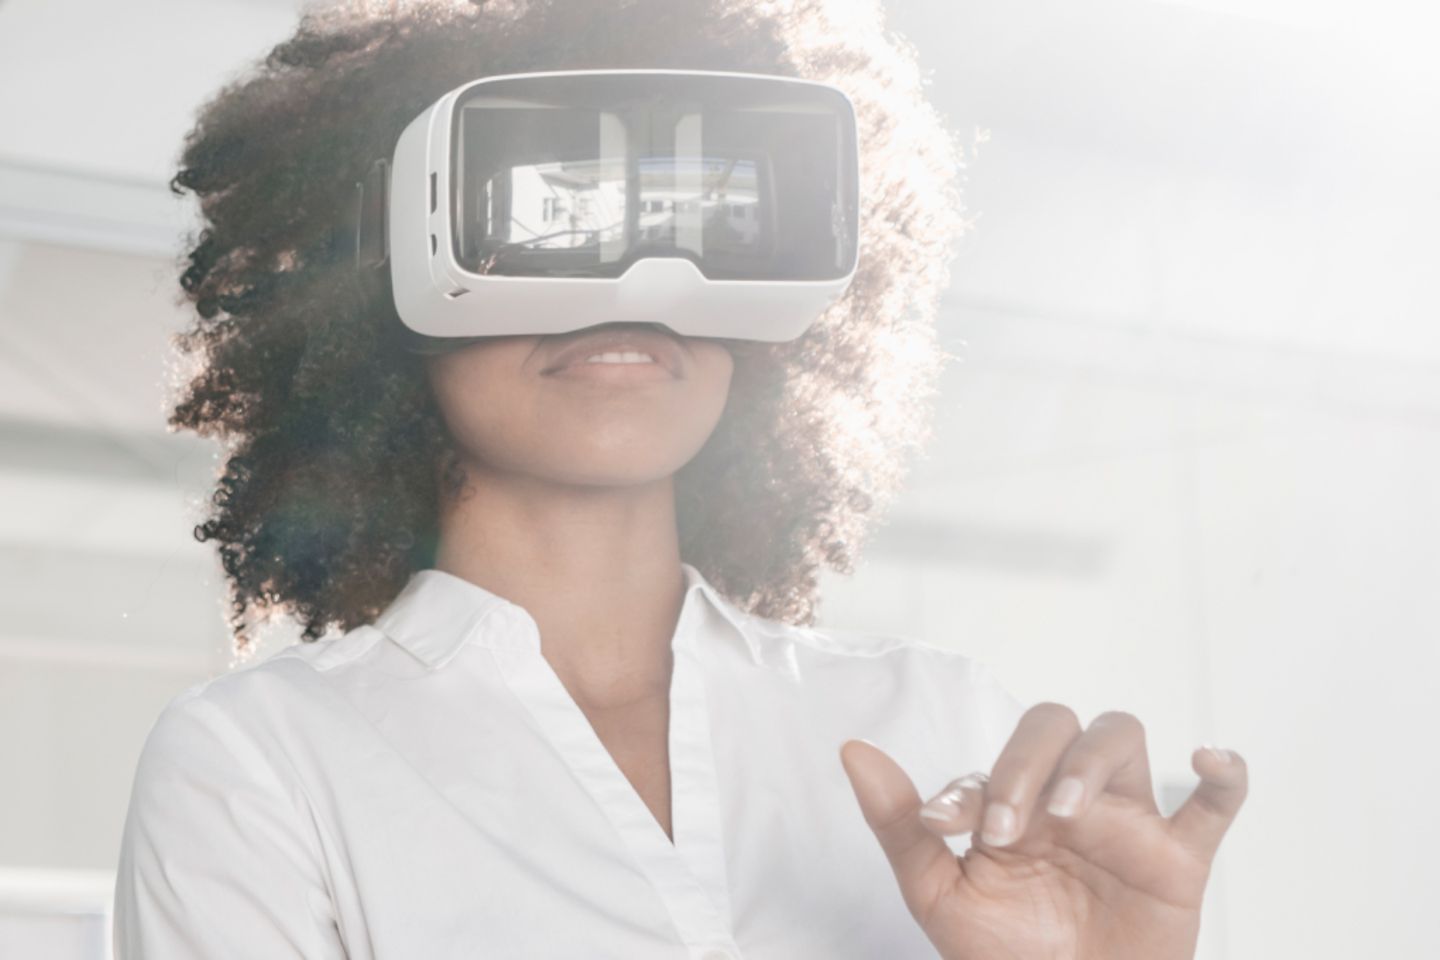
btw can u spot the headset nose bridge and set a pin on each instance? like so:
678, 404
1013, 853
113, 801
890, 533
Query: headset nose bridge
659, 279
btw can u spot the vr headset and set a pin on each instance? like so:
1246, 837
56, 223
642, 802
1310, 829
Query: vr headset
716, 204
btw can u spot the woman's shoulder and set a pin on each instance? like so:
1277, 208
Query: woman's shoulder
277, 692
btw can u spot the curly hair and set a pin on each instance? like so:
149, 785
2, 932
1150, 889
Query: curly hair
328, 497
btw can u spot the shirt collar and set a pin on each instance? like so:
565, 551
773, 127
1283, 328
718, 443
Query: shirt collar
438, 613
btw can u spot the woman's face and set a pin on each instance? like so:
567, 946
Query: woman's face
536, 405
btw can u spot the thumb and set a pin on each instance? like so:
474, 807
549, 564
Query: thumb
891, 805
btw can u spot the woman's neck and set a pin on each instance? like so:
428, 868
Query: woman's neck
598, 568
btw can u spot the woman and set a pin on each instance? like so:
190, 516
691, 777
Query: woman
572, 705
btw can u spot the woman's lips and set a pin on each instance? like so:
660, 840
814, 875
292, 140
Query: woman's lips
573, 359
613, 372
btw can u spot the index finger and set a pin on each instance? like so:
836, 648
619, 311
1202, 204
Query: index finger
1041, 738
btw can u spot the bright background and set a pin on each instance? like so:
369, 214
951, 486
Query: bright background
1189, 465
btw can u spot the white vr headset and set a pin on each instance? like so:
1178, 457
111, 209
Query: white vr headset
716, 204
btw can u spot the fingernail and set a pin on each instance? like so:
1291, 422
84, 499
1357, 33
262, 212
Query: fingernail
1066, 798
943, 806
1224, 756
935, 810
999, 824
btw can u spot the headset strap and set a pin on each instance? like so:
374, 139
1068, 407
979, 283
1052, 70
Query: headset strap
362, 234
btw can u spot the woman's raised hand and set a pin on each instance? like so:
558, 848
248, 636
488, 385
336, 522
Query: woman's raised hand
1072, 860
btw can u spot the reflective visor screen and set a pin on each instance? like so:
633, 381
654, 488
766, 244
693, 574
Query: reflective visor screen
751, 179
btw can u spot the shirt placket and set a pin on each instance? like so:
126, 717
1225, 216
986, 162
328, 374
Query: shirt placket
689, 875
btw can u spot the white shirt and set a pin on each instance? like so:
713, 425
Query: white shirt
427, 788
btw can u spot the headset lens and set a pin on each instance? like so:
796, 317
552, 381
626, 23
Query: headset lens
749, 178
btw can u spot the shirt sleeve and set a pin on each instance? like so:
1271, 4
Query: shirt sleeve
218, 858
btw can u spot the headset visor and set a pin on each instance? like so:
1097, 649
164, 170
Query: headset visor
749, 178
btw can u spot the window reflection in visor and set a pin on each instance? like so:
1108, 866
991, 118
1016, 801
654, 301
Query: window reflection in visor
751, 179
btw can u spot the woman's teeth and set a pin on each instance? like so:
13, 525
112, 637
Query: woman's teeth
626, 357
